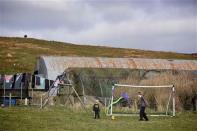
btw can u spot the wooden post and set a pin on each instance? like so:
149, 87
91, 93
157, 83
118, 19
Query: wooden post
78, 97
10, 100
84, 97
101, 89
4, 91
41, 102
49, 87
31, 90
32, 94
26, 101
21, 91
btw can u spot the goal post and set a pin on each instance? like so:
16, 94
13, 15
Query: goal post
162, 97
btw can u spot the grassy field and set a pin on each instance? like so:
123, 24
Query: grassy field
61, 119
20, 54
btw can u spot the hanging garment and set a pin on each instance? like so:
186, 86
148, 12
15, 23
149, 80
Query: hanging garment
28, 76
56, 83
18, 81
23, 77
1, 81
51, 82
37, 80
33, 81
8, 78
41, 85
47, 84
14, 79
8, 81
27, 80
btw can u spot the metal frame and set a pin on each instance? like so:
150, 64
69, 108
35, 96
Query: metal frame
69, 86
172, 96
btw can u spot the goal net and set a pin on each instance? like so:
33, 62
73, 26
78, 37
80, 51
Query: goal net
125, 102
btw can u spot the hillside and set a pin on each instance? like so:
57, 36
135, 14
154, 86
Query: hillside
19, 54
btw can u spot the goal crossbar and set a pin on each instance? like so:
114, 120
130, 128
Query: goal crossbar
135, 86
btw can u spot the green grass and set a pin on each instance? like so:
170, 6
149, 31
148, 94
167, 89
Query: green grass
61, 119
20, 54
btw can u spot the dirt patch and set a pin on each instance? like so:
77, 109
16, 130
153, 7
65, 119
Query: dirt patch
31, 46
9, 55
13, 46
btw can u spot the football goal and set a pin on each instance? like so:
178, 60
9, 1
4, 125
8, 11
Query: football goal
125, 102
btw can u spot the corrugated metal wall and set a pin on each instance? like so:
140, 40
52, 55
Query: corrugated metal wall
56, 65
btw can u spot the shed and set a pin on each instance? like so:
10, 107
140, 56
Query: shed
52, 66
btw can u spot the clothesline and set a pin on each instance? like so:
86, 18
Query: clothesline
23, 80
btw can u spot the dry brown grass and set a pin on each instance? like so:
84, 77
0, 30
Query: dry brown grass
184, 83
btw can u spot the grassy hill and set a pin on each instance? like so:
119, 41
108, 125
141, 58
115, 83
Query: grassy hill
19, 54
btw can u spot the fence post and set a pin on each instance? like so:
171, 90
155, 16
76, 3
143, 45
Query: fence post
41, 102
4, 91
32, 95
21, 91
10, 100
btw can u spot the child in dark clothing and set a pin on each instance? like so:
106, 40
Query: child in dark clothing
143, 104
96, 110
